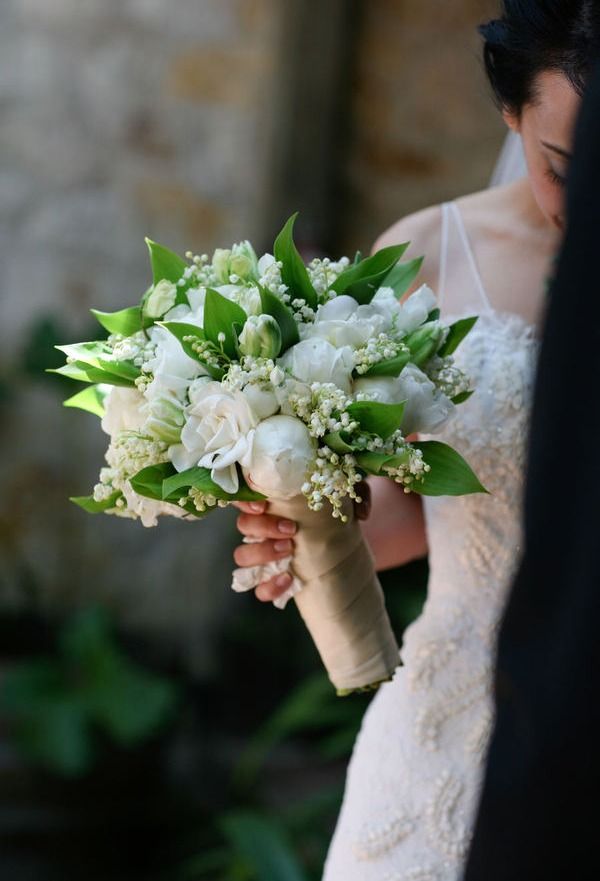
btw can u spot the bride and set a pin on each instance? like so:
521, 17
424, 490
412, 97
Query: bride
415, 774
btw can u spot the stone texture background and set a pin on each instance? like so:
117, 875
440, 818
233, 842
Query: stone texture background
196, 122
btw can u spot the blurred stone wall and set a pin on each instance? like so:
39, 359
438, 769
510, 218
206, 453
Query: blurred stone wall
422, 126
196, 122
118, 119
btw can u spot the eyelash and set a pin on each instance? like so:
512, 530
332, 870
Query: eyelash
555, 178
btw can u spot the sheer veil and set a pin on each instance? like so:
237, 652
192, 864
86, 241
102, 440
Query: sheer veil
511, 164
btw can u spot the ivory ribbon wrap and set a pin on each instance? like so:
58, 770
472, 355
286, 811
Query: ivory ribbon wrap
341, 600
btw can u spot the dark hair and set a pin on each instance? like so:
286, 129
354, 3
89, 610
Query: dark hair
532, 36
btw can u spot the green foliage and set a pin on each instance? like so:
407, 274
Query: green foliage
458, 331
377, 418
391, 367
402, 276
362, 280
56, 705
90, 399
220, 315
261, 846
165, 263
89, 504
450, 475
125, 321
462, 397
164, 483
272, 305
293, 272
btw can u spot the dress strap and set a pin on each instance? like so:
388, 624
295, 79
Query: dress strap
453, 207
443, 253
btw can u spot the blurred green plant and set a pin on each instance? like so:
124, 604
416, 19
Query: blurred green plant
57, 707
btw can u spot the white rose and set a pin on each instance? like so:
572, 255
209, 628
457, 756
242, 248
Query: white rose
161, 299
426, 406
123, 410
282, 454
316, 360
415, 309
218, 434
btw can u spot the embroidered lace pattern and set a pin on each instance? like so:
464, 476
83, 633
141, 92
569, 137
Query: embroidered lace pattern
415, 776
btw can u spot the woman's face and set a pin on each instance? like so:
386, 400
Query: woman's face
547, 126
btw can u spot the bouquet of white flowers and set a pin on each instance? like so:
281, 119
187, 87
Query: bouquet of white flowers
238, 378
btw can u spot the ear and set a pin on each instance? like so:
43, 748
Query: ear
512, 120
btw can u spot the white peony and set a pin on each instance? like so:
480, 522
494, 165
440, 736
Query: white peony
282, 454
426, 406
343, 322
218, 434
316, 360
123, 410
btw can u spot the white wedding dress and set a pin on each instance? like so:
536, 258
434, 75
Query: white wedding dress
415, 775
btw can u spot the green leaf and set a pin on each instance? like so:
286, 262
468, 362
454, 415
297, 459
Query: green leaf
458, 332
149, 481
47, 720
362, 280
434, 315
263, 847
89, 504
125, 321
402, 276
200, 478
220, 314
90, 399
391, 367
450, 475
97, 356
294, 273
357, 258
376, 418
272, 305
82, 372
462, 397
165, 263
180, 329
337, 441
372, 463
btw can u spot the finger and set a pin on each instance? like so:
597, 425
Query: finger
251, 507
363, 508
274, 588
266, 526
263, 552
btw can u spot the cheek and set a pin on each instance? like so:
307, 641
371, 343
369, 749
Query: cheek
549, 196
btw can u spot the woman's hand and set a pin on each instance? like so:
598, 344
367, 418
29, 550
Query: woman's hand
273, 540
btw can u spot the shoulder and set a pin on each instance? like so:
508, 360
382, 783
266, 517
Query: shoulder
423, 231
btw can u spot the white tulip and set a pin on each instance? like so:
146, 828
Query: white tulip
218, 434
316, 360
282, 454
161, 299
427, 408
415, 309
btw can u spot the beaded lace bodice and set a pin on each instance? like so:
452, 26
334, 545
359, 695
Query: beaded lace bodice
414, 778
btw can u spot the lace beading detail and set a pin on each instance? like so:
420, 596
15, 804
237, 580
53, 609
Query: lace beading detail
415, 775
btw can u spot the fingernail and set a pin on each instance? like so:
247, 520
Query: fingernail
257, 506
288, 527
283, 580
283, 545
